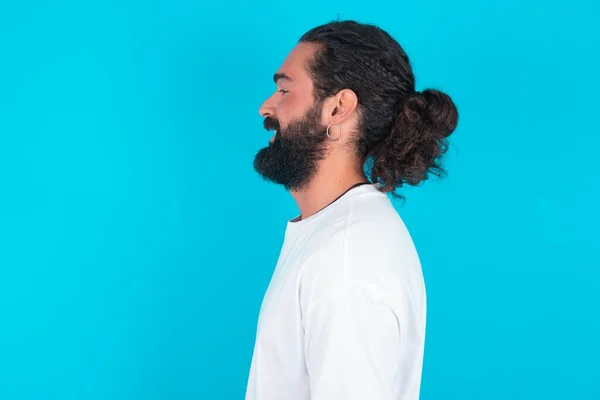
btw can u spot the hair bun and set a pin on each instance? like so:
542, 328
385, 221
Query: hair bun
434, 108
414, 148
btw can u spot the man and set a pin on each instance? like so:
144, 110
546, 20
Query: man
344, 314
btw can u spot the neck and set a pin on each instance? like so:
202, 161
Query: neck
325, 187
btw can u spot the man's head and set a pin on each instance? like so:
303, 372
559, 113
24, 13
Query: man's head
353, 82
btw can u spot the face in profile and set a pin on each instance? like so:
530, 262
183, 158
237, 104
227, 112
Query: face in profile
293, 115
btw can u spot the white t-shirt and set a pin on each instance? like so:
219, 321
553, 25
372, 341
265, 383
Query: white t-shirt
344, 314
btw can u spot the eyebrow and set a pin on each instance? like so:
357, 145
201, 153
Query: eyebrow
281, 75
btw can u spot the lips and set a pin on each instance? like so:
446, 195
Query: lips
271, 124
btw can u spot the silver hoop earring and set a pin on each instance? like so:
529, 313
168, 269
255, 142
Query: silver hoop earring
329, 136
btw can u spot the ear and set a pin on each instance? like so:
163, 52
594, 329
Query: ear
340, 107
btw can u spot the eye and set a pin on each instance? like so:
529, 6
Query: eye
282, 91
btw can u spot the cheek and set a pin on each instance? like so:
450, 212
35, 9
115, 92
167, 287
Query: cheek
286, 102
289, 108
285, 110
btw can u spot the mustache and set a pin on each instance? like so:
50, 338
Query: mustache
271, 123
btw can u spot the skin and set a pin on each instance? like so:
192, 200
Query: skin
293, 97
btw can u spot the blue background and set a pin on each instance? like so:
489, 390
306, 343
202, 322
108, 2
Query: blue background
136, 241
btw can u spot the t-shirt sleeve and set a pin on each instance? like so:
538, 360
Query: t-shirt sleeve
352, 337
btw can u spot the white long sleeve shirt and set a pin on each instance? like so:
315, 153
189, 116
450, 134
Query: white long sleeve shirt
344, 314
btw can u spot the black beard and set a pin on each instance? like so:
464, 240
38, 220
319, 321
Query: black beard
293, 157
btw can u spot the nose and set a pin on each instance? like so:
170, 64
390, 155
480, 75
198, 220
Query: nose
267, 109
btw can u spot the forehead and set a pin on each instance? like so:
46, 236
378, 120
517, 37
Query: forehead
295, 64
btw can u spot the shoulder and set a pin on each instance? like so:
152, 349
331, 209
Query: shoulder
367, 247
377, 241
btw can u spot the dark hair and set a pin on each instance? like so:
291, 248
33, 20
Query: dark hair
402, 133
